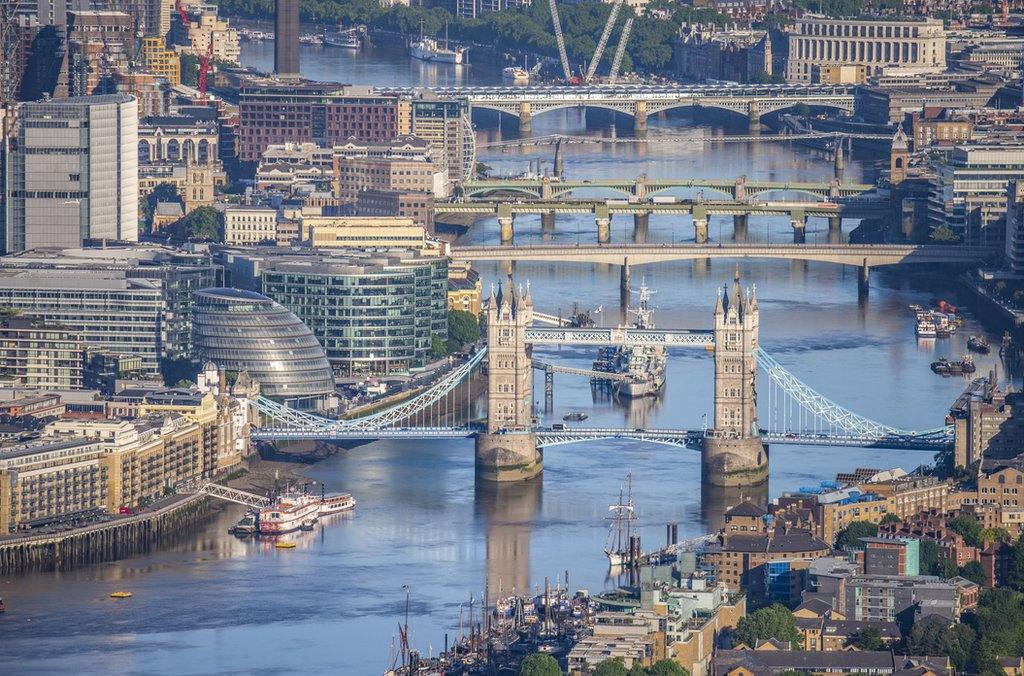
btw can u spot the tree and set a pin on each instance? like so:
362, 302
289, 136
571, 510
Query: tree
667, 667
994, 534
463, 327
974, 572
774, 621
850, 536
539, 664
969, 528
202, 223
928, 556
438, 346
870, 639
889, 518
637, 670
943, 234
946, 568
615, 667
1015, 576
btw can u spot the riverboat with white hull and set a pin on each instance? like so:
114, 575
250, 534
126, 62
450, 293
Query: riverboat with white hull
428, 49
292, 509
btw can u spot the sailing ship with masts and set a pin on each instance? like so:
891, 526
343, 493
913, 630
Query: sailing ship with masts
622, 525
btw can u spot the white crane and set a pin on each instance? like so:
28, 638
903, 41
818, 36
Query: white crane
603, 42
620, 50
560, 40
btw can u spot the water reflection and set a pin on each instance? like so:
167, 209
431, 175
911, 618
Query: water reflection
508, 512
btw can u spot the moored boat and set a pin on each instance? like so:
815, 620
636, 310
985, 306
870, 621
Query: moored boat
428, 49
978, 344
945, 367
345, 39
515, 75
925, 328
576, 416
246, 526
121, 595
307, 525
287, 513
336, 502
622, 523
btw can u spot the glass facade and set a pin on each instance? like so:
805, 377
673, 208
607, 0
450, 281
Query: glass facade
372, 314
245, 331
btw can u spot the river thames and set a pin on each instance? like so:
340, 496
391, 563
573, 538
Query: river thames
216, 605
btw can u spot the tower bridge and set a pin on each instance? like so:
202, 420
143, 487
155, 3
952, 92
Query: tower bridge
508, 443
640, 101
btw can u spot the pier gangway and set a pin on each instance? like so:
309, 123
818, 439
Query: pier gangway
228, 493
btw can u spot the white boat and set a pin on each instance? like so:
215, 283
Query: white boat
925, 329
621, 526
345, 39
515, 75
288, 512
428, 49
336, 502
644, 366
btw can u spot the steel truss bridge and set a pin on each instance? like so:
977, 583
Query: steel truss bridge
791, 411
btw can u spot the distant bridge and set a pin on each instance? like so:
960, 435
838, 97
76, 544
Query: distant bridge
872, 255
640, 101
554, 139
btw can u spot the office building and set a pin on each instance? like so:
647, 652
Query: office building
969, 190
249, 225
363, 232
878, 45
736, 55
373, 311
209, 34
73, 173
100, 43
418, 206
243, 331
447, 126
286, 38
406, 163
134, 300
160, 60
1014, 243
327, 114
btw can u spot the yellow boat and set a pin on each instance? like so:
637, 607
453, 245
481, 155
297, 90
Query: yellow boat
285, 545
121, 595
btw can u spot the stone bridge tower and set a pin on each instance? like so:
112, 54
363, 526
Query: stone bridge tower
733, 453
507, 451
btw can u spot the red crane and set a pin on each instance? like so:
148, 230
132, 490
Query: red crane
204, 69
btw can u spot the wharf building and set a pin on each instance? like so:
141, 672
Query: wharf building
373, 311
243, 331
80, 467
134, 300
327, 114
909, 45
73, 173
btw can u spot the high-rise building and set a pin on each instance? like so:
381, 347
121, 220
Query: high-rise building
286, 38
73, 173
446, 124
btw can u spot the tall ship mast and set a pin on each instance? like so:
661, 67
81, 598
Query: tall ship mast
622, 524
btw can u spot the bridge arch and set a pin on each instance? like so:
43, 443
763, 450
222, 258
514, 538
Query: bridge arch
540, 108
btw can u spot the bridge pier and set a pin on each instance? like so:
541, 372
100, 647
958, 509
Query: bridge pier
835, 229
547, 222
864, 278
754, 121
799, 223
840, 161
603, 218
512, 456
700, 230
625, 277
739, 227
505, 224
640, 119
525, 117
640, 223
734, 462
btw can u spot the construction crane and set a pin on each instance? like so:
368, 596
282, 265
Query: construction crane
204, 69
613, 76
560, 39
603, 42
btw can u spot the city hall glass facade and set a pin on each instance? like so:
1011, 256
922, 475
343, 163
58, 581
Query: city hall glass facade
373, 313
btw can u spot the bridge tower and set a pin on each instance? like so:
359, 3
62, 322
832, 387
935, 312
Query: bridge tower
733, 453
507, 451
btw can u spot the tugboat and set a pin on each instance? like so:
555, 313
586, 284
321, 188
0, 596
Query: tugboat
621, 525
978, 344
246, 526
575, 416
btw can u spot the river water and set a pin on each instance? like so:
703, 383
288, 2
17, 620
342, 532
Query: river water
213, 604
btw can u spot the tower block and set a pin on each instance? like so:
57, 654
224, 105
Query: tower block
733, 453
507, 451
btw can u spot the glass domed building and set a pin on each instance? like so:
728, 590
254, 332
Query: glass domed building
246, 331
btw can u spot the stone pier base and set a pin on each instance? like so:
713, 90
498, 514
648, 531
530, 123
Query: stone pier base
507, 457
734, 462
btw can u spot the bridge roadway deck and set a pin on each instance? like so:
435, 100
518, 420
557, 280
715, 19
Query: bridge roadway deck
638, 254
711, 208
652, 186
620, 335
549, 436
